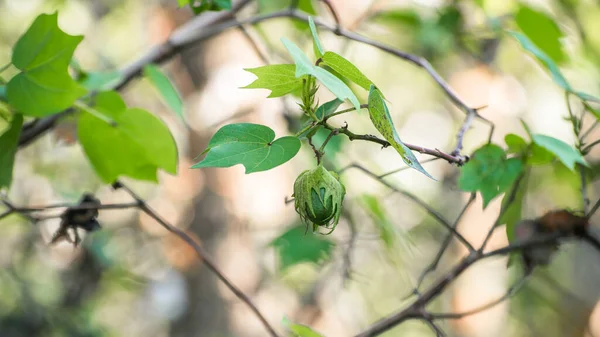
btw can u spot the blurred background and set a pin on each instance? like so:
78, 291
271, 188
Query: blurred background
133, 278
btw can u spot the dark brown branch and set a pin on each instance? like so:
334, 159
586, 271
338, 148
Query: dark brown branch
444, 246
513, 290
202, 254
458, 160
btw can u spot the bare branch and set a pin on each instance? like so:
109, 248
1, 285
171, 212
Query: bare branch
418, 201
202, 254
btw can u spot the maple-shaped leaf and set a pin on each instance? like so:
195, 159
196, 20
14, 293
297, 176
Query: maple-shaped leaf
43, 53
279, 78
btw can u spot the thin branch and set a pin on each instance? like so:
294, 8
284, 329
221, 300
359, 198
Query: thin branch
594, 209
445, 244
584, 189
419, 202
336, 17
458, 160
202, 254
513, 290
461, 132
383, 175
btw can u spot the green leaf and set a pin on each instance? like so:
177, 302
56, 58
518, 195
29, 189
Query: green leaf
318, 48
381, 119
489, 172
380, 218
404, 17
346, 69
327, 108
251, 145
136, 145
182, 2
296, 246
279, 78
299, 330
305, 67
565, 153
512, 212
101, 81
516, 144
539, 155
164, 86
9, 142
557, 76
208, 5
542, 31
43, 53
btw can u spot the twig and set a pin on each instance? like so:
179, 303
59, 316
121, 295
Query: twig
444, 246
418, 201
202, 254
201, 29
509, 293
458, 160
334, 13
461, 132
383, 175
594, 209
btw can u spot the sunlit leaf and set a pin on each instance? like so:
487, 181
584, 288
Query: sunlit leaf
251, 145
305, 67
346, 69
166, 89
381, 119
9, 142
489, 172
563, 151
542, 31
279, 78
43, 54
125, 142
297, 246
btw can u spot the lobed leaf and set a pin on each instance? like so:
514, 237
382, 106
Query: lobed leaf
43, 53
330, 81
489, 172
251, 145
136, 145
279, 78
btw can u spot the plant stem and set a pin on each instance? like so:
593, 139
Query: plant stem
4, 67
362, 106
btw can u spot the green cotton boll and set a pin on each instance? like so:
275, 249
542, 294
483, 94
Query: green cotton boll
318, 195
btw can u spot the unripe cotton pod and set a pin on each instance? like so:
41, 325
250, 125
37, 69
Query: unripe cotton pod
318, 195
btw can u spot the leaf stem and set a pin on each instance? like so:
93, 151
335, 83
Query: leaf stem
4, 67
331, 134
82, 106
306, 128
362, 106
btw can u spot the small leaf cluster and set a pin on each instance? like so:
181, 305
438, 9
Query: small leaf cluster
118, 140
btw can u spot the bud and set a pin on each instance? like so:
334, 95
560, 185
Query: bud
318, 195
